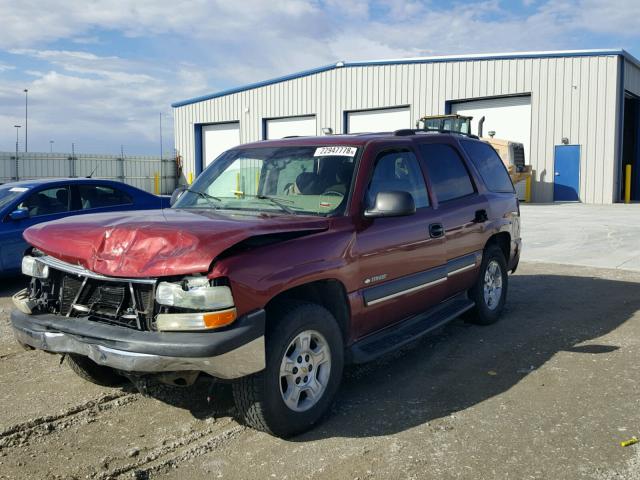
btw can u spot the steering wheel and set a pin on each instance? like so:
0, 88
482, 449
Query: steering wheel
333, 193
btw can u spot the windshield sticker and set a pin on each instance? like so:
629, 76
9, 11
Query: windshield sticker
18, 189
335, 151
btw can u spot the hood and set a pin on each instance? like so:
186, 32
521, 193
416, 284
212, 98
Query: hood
158, 242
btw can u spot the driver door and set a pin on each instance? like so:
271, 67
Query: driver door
402, 266
43, 205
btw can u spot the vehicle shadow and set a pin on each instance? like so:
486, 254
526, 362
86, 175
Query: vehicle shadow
461, 364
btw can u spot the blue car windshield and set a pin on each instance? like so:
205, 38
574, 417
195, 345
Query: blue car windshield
9, 193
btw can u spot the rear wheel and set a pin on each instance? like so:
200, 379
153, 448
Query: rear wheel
490, 290
304, 356
90, 371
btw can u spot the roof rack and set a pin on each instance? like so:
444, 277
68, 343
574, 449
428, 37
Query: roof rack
405, 132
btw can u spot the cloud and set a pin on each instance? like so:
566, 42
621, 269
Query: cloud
100, 71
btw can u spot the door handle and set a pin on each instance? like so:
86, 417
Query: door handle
436, 230
480, 216
557, 174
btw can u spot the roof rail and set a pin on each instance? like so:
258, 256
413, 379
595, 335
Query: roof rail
404, 132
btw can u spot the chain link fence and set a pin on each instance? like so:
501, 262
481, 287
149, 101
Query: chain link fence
145, 172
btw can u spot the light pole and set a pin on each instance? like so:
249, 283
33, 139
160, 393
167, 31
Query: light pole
50, 146
17, 127
26, 119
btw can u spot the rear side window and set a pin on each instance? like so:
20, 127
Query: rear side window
491, 169
97, 196
449, 176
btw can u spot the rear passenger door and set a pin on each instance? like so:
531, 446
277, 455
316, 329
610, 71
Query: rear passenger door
402, 268
463, 209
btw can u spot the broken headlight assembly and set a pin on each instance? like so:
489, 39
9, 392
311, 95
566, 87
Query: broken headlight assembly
213, 304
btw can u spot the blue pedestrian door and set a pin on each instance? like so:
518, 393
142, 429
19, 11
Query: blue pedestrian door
566, 175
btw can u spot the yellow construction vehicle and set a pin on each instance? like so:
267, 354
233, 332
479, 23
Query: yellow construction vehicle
511, 153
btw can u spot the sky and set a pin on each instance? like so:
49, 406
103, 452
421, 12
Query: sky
101, 73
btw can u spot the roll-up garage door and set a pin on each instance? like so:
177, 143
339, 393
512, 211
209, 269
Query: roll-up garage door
382, 120
509, 117
290, 126
217, 138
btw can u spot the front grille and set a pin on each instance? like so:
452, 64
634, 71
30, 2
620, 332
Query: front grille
123, 303
518, 156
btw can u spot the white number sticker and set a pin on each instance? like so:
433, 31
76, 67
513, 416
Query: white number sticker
335, 151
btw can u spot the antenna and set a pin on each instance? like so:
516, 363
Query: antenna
92, 172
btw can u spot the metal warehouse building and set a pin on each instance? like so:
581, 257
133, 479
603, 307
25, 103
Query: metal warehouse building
576, 112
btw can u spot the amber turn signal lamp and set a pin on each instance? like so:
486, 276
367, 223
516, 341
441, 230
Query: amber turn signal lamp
219, 319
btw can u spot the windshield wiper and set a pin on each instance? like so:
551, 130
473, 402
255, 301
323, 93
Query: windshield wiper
204, 195
277, 202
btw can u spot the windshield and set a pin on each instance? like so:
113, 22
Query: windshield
8, 194
291, 180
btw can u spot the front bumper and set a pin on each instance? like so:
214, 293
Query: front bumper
232, 352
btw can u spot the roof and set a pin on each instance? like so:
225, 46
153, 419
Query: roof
44, 181
433, 59
355, 140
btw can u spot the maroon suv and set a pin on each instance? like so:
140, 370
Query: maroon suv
282, 262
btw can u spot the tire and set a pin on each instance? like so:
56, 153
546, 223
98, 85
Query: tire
90, 371
488, 308
260, 398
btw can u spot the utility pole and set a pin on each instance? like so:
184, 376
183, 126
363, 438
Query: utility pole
50, 146
17, 127
26, 119
161, 151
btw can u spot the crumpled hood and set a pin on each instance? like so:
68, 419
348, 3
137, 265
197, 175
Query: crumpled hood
156, 243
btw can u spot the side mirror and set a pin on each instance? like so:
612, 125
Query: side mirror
20, 214
391, 204
177, 193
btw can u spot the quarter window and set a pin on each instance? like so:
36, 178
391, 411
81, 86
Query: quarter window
491, 169
449, 176
398, 171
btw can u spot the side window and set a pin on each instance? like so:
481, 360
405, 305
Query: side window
47, 202
491, 169
398, 171
96, 196
448, 175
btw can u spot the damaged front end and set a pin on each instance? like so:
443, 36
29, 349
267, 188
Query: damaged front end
137, 325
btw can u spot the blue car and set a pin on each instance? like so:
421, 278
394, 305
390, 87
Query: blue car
26, 203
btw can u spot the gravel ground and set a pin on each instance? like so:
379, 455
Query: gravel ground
546, 393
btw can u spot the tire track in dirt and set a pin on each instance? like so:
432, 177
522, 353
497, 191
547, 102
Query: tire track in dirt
172, 454
18, 434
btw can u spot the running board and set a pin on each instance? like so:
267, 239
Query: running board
398, 335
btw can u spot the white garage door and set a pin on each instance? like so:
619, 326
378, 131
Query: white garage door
383, 120
509, 117
291, 126
217, 138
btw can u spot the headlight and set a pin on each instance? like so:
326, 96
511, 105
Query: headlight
194, 293
33, 268
195, 321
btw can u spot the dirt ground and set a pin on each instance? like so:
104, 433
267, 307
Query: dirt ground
546, 393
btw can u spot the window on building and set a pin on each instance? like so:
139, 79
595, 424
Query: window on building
447, 172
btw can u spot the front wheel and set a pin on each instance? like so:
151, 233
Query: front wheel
305, 357
489, 293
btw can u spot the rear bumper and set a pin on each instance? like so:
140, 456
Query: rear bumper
229, 353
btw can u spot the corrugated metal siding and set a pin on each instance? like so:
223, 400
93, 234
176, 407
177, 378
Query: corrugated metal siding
573, 97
